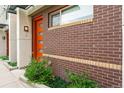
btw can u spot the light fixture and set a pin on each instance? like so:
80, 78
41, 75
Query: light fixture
26, 29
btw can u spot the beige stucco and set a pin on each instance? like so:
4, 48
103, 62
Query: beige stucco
3, 19
33, 10
12, 37
24, 39
2, 43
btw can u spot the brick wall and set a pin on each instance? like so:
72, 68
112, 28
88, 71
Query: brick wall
99, 40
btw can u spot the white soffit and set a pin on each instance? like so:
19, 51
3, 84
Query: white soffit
36, 9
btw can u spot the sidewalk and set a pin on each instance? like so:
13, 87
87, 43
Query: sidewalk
10, 79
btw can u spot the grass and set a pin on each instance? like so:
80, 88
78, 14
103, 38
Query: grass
13, 64
4, 58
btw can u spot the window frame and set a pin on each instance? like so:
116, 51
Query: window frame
60, 12
50, 17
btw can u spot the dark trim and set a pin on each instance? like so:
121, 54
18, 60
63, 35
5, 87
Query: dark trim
11, 8
28, 7
3, 25
11, 11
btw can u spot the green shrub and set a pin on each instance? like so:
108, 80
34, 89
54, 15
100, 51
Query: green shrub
58, 83
80, 81
4, 58
13, 64
39, 72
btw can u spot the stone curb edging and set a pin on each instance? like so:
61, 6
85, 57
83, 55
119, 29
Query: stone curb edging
34, 85
9, 67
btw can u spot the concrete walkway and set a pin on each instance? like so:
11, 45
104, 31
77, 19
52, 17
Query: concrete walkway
10, 79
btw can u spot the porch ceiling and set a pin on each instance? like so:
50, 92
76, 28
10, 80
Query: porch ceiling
13, 7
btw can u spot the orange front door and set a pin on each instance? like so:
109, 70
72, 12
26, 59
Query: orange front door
37, 38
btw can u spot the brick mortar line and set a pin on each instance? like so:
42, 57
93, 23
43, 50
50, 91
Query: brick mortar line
88, 62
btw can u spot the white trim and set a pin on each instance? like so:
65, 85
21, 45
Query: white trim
35, 8
123, 46
60, 12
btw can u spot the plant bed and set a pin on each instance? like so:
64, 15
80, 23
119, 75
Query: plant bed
11, 65
4, 58
80, 81
41, 73
57, 82
35, 85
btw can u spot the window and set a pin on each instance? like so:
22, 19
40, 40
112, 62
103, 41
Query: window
71, 14
55, 20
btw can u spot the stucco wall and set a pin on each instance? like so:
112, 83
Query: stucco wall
12, 37
3, 16
24, 39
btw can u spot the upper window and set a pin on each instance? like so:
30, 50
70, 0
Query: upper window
55, 19
71, 14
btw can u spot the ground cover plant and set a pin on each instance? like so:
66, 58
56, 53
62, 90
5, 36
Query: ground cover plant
80, 81
4, 58
41, 73
13, 64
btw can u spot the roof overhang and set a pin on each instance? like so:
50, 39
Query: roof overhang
12, 8
33, 10
3, 25
30, 9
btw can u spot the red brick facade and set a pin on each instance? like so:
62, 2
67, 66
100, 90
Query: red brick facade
99, 40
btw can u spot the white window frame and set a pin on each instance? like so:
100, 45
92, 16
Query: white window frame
60, 12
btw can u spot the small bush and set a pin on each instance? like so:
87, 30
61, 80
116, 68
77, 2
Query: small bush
80, 81
58, 83
13, 64
4, 58
39, 72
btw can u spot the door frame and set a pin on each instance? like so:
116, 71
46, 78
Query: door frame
34, 45
7, 42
